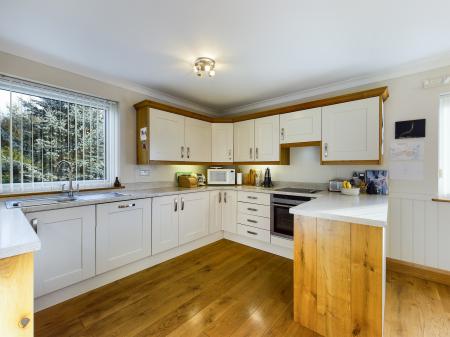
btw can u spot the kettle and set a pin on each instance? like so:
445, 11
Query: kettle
267, 179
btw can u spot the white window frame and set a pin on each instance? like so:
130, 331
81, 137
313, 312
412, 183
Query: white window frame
111, 133
444, 144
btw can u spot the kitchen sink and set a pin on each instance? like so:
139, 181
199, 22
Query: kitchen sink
33, 202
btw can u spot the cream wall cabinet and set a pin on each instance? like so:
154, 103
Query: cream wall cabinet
301, 126
352, 132
222, 143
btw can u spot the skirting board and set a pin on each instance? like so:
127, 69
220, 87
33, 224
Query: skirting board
419, 271
82, 287
267, 247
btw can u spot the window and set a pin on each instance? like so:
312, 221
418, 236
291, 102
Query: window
444, 145
43, 128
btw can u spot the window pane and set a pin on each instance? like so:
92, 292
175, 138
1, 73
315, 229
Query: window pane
37, 133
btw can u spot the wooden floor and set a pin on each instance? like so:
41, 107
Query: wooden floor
227, 289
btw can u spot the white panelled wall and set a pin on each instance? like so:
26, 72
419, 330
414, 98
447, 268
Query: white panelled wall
419, 231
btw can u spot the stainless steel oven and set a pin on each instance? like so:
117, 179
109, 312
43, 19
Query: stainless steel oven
282, 222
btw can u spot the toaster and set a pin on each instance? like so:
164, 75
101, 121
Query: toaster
335, 185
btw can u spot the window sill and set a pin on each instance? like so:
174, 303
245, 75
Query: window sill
26, 194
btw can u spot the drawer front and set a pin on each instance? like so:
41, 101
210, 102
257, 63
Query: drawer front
255, 198
254, 233
254, 221
254, 209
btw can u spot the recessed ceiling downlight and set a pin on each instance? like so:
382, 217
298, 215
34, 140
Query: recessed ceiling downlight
204, 66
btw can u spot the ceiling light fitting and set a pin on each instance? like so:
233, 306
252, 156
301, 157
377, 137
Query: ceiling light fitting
203, 66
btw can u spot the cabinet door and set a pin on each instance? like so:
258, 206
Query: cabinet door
229, 211
166, 136
244, 141
197, 138
165, 223
301, 126
123, 233
194, 216
222, 142
67, 254
267, 138
215, 211
351, 131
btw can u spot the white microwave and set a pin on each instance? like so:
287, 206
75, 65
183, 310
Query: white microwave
219, 176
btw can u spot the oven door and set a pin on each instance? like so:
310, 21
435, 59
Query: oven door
282, 222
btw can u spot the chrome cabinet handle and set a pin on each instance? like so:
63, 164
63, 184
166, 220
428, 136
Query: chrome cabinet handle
34, 223
282, 133
256, 153
225, 197
182, 152
252, 233
229, 154
250, 197
175, 204
24, 321
252, 209
220, 197
251, 153
182, 204
126, 206
252, 221
188, 152
325, 154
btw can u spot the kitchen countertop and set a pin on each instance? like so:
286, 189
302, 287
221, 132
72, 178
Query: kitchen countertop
364, 209
18, 237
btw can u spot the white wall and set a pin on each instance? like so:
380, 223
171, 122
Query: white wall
128, 170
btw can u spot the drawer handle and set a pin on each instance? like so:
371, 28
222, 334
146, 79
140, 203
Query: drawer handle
24, 322
252, 233
252, 221
126, 206
252, 209
250, 197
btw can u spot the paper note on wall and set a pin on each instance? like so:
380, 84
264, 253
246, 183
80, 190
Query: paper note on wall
143, 134
406, 161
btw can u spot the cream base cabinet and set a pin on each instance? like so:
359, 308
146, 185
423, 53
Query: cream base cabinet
267, 138
67, 254
301, 126
215, 211
164, 223
222, 143
193, 216
123, 233
197, 140
229, 211
166, 136
351, 131
244, 141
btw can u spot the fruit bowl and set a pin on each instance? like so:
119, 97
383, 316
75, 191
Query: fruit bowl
350, 191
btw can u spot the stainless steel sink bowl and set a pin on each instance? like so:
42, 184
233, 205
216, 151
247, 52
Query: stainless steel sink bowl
33, 202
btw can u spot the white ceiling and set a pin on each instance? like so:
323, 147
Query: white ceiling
263, 49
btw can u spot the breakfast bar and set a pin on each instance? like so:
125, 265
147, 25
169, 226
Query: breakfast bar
339, 265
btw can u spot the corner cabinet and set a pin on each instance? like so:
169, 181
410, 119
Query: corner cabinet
194, 216
352, 132
223, 211
244, 141
67, 254
123, 233
222, 143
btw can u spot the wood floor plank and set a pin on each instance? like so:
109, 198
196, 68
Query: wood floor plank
227, 289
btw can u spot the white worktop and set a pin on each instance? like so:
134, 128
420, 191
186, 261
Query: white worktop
364, 209
16, 234
18, 237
